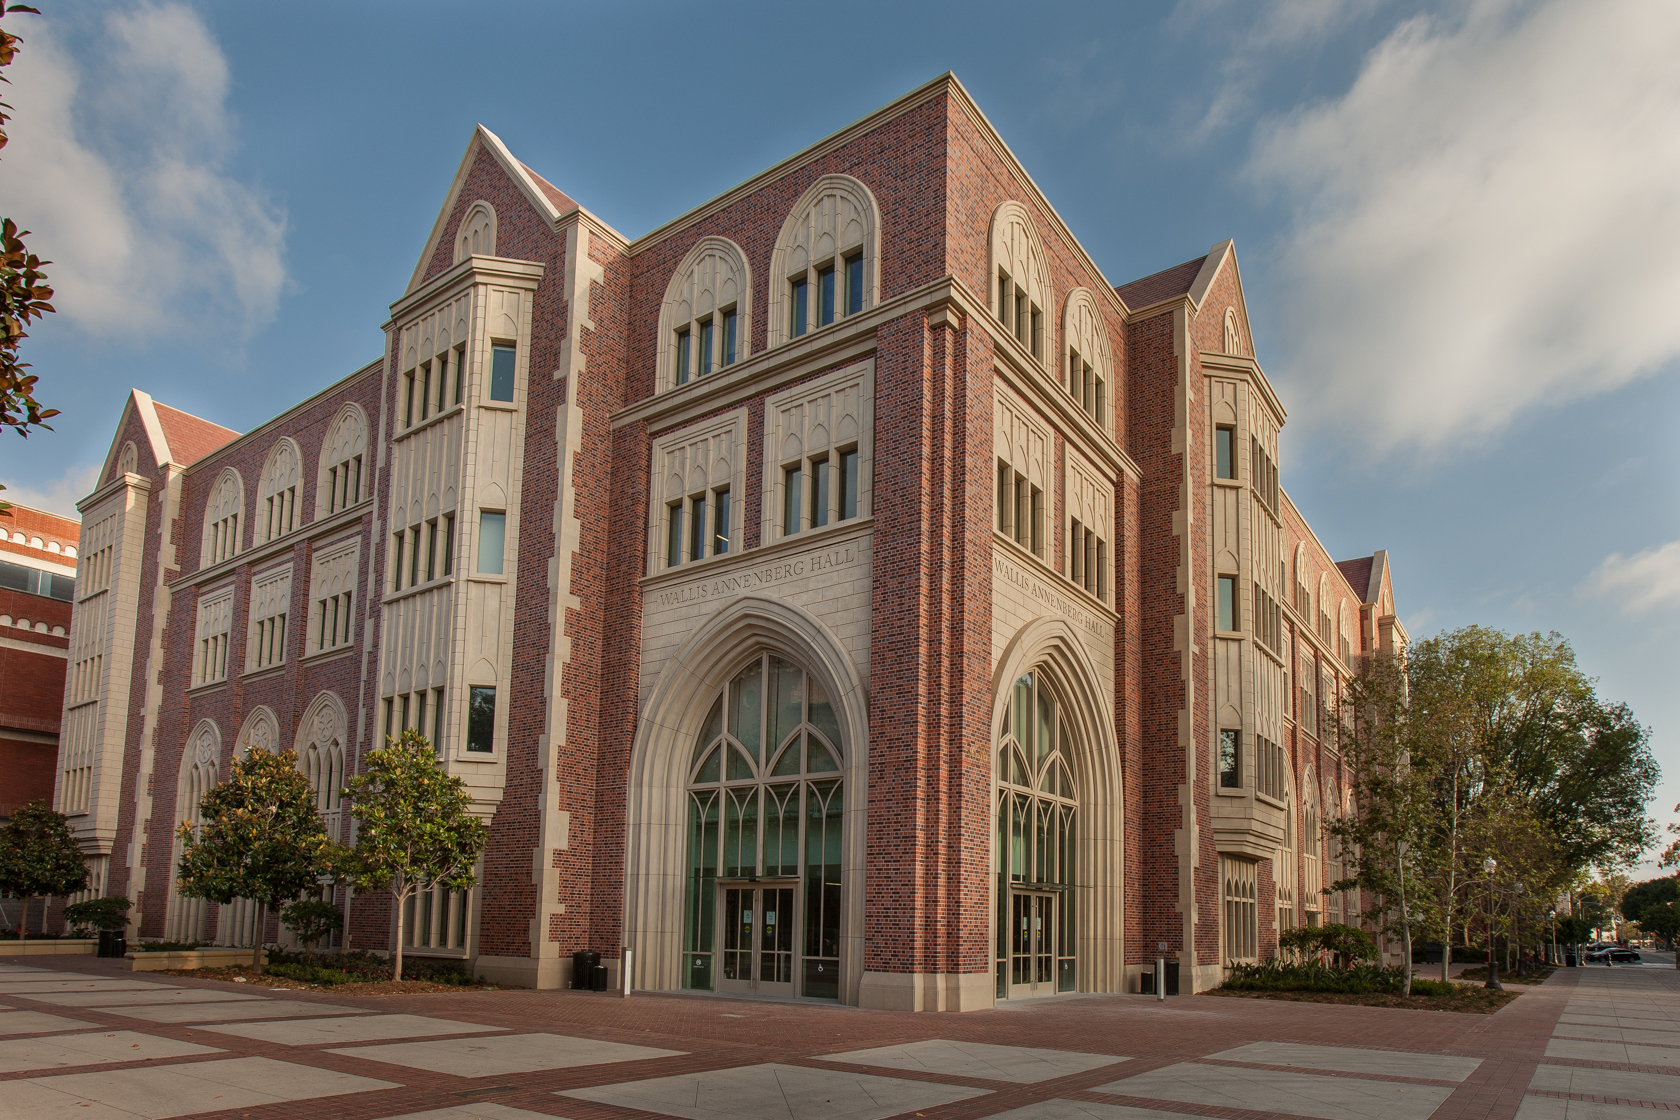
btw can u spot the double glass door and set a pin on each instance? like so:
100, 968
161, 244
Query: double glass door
1035, 960
758, 939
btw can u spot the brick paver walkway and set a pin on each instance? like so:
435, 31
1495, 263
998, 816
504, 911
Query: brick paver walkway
1584, 1043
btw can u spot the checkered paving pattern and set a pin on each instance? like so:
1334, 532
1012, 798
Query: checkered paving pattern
1590, 1044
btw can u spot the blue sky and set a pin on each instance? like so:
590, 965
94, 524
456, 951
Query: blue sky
1456, 225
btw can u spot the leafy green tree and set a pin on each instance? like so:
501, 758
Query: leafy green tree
260, 839
414, 827
110, 912
24, 293
39, 857
310, 920
1348, 945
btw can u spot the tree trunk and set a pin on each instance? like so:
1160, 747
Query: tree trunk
396, 971
256, 939
1405, 933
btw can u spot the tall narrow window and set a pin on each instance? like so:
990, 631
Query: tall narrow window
720, 524
448, 544
793, 481
437, 719
1102, 570
443, 381
1076, 554
397, 540
414, 556
800, 308
460, 372
848, 483
1230, 759
408, 399
1224, 453
1227, 605
825, 296
431, 549
1005, 499
1037, 340
819, 492
729, 327
673, 534
1022, 317
706, 338
481, 720
492, 535
854, 283
1004, 302
1035, 510
501, 373
425, 389
697, 528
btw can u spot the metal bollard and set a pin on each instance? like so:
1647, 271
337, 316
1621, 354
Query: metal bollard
1160, 979
629, 959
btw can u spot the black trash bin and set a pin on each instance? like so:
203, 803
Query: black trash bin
598, 977
1172, 978
113, 943
582, 963
1569, 960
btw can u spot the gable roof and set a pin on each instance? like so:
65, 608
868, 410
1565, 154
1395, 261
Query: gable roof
1358, 574
191, 438
1166, 284
562, 201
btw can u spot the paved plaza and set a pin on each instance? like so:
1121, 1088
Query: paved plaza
83, 1039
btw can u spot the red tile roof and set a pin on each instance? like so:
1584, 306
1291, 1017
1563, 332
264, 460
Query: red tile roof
1174, 281
191, 439
554, 194
1358, 574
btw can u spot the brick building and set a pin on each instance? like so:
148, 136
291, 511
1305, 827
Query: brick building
842, 590
37, 585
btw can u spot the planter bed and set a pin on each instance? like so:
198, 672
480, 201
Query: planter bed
1476, 1001
211, 957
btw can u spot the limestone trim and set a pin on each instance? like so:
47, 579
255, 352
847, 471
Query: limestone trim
713, 280
811, 423
224, 520
277, 492
321, 743
262, 554
343, 476
1086, 359
1051, 643
696, 463
656, 823
184, 917
835, 217
476, 235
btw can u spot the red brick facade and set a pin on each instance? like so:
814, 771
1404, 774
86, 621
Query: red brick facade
586, 661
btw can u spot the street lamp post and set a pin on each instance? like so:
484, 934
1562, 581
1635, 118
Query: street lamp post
1489, 865
1516, 926
1552, 917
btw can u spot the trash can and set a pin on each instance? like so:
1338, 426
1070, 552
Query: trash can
1172, 978
598, 977
112, 943
582, 962
1569, 960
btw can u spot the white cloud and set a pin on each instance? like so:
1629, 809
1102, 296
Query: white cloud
117, 163
1486, 220
1643, 581
59, 495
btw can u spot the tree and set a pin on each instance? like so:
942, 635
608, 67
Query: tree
414, 826
310, 920
39, 857
110, 912
260, 839
24, 293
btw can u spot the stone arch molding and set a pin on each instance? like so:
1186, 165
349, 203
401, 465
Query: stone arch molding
1085, 332
128, 462
1017, 249
1051, 643
835, 215
476, 236
346, 439
320, 742
277, 490
713, 275
260, 733
227, 500
185, 918
670, 719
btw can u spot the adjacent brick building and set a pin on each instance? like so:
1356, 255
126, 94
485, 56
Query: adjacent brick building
37, 585
840, 591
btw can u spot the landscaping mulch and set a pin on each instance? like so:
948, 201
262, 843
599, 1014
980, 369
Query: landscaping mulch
1479, 975
243, 976
1474, 1001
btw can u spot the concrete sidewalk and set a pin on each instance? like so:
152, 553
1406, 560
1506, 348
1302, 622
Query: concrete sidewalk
87, 1041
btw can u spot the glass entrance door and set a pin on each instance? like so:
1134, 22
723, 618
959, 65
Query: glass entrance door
1033, 940
758, 940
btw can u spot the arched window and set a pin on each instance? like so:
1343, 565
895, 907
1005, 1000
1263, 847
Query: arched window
129, 461
477, 236
1283, 862
260, 733
1233, 336
185, 917
222, 516
1088, 369
1036, 809
339, 478
1303, 592
765, 806
1333, 812
1324, 631
1312, 900
320, 750
1344, 639
705, 322
1020, 278
277, 494
827, 261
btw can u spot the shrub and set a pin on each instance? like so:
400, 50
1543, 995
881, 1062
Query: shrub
170, 946
1348, 944
85, 919
1311, 976
362, 966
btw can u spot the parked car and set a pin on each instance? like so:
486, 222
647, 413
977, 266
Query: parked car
1614, 956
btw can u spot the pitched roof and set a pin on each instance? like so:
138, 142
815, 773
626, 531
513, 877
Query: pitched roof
190, 438
1358, 574
562, 202
1174, 281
